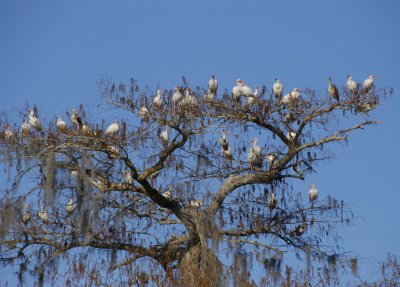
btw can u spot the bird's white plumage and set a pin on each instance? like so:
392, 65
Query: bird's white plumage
143, 113
291, 135
8, 133
34, 121
277, 88
43, 216
351, 85
176, 97
240, 90
209, 96
368, 83
112, 129
313, 192
61, 125
213, 85
25, 127
291, 97
157, 102
164, 137
70, 206
252, 99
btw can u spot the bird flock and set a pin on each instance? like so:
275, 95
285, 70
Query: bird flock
186, 99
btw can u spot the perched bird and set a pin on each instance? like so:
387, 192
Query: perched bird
26, 214
157, 102
188, 100
254, 155
256, 149
70, 206
277, 88
291, 135
240, 90
144, 113
164, 137
61, 125
223, 141
86, 129
76, 119
271, 157
351, 85
167, 194
368, 83
8, 133
291, 97
25, 127
312, 193
227, 153
213, 84
272, 201
43, 216
209, 96
252, 98
176, 97
332, 90
196, 203
34, 120
128, 177
112, 129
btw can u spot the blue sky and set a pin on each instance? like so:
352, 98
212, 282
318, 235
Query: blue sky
53, 53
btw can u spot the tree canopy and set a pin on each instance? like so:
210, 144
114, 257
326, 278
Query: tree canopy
188, 186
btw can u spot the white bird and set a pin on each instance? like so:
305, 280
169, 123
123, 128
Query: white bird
168, 193
144, 113
291, 97
61, 125
291, 135
196, 203
368, 83
223, 141
209, 96
26, 214
351, 85
25, 127
164, 137
70, 206
312, 193
8, 133
128, 177
213, 84
188, 101
240, 90
157, 102
254, 155
332, 90
176, 97
76, 119
252, 98
256, 148
86, 129
272, 201
277, 88
34, 121
271, 157
43, 216
112, 129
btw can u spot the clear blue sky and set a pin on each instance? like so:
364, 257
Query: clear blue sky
53, 53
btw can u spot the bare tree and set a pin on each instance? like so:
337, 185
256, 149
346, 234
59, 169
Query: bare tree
188, 190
